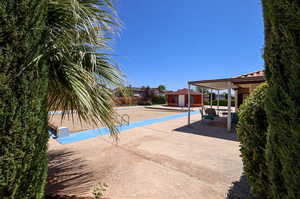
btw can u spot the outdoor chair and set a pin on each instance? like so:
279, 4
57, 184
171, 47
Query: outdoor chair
210, 114
234, 119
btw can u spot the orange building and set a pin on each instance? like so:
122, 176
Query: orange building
180, 98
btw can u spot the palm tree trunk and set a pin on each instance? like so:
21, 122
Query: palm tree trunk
23, 98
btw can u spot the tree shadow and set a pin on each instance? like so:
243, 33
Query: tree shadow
240, 189
67, 174
208, 128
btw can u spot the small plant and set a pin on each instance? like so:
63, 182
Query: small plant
99, 190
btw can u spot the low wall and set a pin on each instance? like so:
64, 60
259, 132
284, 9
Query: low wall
120, 101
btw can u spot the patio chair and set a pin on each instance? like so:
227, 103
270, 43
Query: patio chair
210, 114
234, 119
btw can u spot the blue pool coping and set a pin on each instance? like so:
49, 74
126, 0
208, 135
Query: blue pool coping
84, 135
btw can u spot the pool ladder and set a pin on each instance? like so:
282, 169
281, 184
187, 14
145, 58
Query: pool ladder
122, 120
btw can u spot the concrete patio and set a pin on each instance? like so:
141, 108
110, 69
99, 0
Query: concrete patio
163, 160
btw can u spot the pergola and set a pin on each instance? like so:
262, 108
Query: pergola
250, 80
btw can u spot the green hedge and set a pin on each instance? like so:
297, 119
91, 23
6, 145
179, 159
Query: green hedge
252, 133
158, 99
221, 102
144, 103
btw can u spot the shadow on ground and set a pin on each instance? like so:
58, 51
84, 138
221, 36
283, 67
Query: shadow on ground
208, 128
240, 190
67, 174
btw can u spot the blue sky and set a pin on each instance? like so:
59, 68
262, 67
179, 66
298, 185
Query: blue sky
172, 41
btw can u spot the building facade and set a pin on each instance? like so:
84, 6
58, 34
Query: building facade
180, 98
245, 84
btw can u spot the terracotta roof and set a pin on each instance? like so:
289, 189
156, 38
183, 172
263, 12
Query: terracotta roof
260, 73
255, 77
183, 91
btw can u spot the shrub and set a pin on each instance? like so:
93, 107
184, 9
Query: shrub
222, 102
158, 99
144, 103
252, 133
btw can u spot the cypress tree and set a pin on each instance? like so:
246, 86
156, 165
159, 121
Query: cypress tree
282, 59
23, 98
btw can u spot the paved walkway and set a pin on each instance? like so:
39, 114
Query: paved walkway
158, 161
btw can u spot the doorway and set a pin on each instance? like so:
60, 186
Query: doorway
181, 100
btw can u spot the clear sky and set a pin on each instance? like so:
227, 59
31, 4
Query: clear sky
170, 42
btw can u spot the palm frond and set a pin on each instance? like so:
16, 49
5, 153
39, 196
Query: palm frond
82, 73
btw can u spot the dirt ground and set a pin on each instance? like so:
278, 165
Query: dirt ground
135, 114
158, 161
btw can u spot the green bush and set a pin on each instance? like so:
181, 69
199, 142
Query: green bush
158, 99
221, 102
144, 103
252, 133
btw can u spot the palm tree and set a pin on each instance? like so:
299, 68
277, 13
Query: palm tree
81, 73
53, 55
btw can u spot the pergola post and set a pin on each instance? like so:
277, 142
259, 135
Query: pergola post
211, 96
189, 104
202, 90
229, 111
236, 100
218, 101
